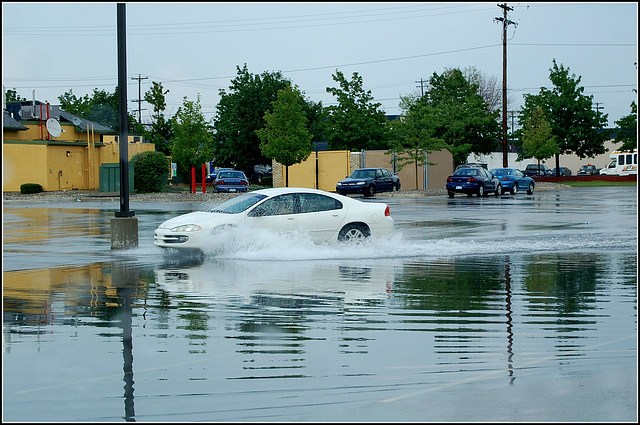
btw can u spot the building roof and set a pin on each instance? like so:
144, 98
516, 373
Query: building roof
82, 124
9, 123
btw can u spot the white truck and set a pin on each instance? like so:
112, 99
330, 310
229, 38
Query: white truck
623, 163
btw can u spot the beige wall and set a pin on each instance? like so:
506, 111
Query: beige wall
333, 166
321, 170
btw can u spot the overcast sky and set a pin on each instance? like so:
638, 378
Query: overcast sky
194, 48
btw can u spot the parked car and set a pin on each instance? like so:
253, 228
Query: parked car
369, 181
230, 181
325, 216
513, 180
536, 170
589, 170
473, 180
564, 171
471, 164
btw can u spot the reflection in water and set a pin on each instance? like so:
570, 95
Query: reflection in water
125, 278
236, 340
509, 314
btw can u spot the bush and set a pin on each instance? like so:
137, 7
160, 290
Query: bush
28, 188
151, 172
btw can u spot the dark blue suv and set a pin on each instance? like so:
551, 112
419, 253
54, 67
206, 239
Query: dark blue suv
369, 181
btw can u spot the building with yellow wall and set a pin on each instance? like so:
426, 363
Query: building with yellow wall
68, 159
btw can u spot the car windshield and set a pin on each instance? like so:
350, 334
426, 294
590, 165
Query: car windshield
238, 204
230, 175
501, 172
363, 174
466, 172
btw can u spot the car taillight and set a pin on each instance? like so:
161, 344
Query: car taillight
387, 213
220, 182
244, 182
471, 179
505, 179
449, 179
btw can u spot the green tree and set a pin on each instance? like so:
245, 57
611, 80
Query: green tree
159, 132
413, 135
191, 140
627, 127
538, 140
151, 170
240, 113
12, 96
286, 137
356, 122
464, 120
101, 107
577, 128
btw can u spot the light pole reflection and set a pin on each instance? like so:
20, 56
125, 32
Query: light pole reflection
124, 279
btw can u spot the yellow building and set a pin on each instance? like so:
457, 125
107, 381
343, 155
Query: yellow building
58, 150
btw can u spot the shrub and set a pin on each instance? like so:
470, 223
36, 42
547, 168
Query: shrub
151, 172
30, 188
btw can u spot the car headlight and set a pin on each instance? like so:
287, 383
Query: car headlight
360, 183
187, 228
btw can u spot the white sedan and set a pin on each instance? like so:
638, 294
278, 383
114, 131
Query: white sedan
325, 216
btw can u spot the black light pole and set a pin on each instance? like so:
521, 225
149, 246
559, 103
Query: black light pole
123, 116
124, 226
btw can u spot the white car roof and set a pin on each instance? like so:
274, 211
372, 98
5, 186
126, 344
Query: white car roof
273, 191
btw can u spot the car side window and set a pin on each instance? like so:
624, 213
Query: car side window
378, 173
278, 205
312, 202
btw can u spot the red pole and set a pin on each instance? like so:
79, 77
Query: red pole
204, 179
193, 179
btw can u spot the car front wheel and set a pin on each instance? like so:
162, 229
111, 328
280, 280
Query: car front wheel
371, 190
354, 233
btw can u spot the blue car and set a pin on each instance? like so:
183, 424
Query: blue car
231, 181
369, 181
473, 181
513, 180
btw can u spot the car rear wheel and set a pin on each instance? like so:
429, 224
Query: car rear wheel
514, 188
499, 190
480, 191
530, 190
354, 232
451, 193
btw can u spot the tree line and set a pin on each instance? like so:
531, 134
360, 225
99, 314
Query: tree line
261, 117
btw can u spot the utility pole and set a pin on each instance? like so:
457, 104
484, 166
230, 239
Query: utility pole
505, 23
421, 85
139, 100
598, 107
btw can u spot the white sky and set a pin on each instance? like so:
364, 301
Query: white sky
194, 48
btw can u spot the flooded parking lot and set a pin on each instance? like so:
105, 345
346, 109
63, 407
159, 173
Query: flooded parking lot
512, 308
